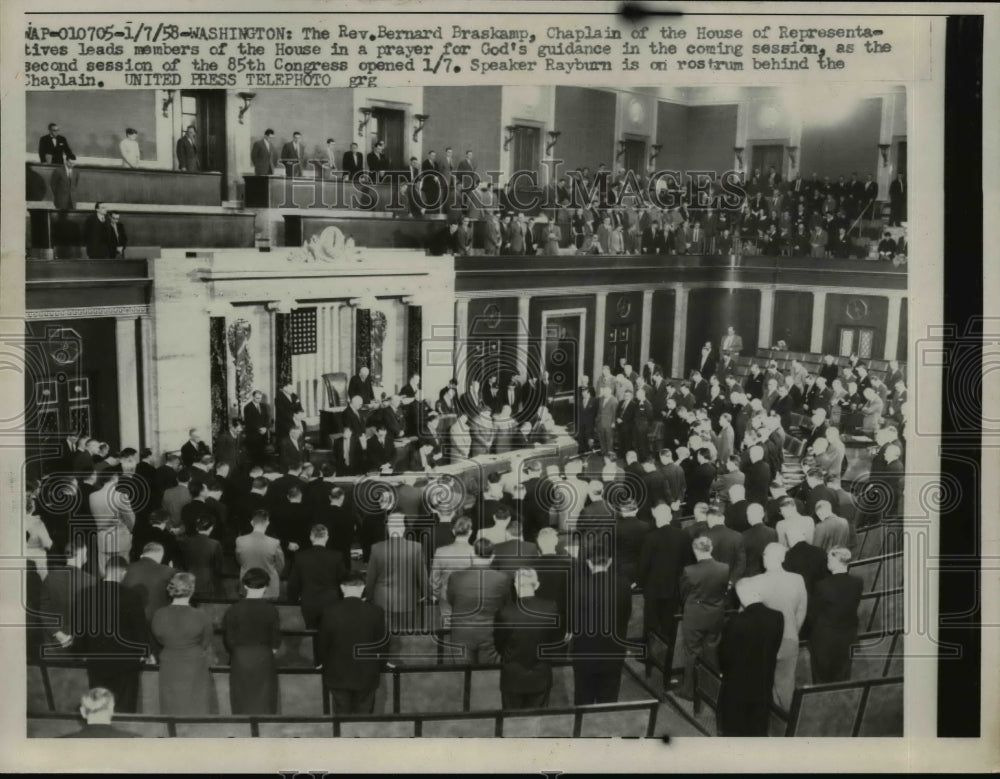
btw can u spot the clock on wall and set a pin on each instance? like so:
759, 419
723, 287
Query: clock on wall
64, 345
857, 309
491, 314
623, 306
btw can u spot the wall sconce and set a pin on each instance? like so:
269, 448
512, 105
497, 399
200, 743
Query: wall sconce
421, 120
656, 147
621, 149
884, 148
167, 102
738, 151
247, 98
511, 131
367, 114
553, 137
792, 152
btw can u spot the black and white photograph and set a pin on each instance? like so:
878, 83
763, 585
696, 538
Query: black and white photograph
416, 375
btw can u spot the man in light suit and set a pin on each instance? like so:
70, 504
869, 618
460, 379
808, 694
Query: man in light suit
262, 154
353, 163
785, 592
256, 549
293, 155
731, 342
187, 151
397, 580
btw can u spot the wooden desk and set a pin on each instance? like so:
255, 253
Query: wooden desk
63, 231
99, 183
300, 192
382, 232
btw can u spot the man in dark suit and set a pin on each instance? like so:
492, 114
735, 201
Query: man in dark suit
229, 445
758, 476
291, 454
833, 613
117, 236
748, 653
339, 523
293, 156
380, 448
53, 149
286, 411
806, 560
257, 418
361, 385
97, 707
520, 632
727, 544
148, 577
378, 163
897, 200
262, 154
155, 529
351, 418
187, 151
432, 182
314, 581
202, 557
755, 539
61, 589
586, 425
97, 234
699, 484
602, 606
475, 594
350, 671
111, 633
194, 448
661, 561
703, 590
352, 162
625, 423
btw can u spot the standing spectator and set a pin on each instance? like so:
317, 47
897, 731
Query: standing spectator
314, 581
293, 156
785, 592
448, 558
117, 237
129, 148
602, 608
148, 578
831, 531
185, 633
397, 576
793, 522
202, 557
703, 591
727, 544
834, 616
256, 549
897, 199
114, 519
252, 635
62, 588
257, 418
111, 631
378, 163
661, 563
350, 671
187, 151
522, 629
756, 539
262, 154
352, 163
475, 595
748, 653
97, 707
194, 448
53, 149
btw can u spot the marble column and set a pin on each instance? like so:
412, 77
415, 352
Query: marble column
128, 382
819, 315
523, 312
677, 367
148, 435
600, 322
765, 326
892, 326
647, 324
461, 341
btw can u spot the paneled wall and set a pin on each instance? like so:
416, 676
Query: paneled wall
567, 302
316, 113
464, 118
661, 339
623, 329
711, 135
671, 134
845, 311
586, 118
493, 327
845, 144
793, 312
93, 121
711, 311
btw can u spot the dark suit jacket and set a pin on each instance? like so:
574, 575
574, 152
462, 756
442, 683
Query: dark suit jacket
294, 156
352, 419
809, 562
834, 604
727, 547
703, 590
520, 630
146, 533
64, 188
315, 580
602, 608
60, 591
149, 579
98, 237
254, 419
285, 409
57, 148
187, 155
352, 163
203, 557
289, 455
262, 157
344, 627
378, 453
758, 482
755, 539
362, 388
736, 516
191, 453
748, 651
699, 485
661, 561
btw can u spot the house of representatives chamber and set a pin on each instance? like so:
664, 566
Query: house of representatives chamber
465, 411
